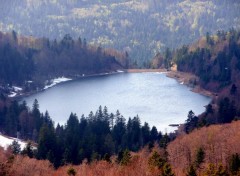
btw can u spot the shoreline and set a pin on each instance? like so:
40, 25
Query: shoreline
191, 81
187, 79
56, 82
182, 78
145, 70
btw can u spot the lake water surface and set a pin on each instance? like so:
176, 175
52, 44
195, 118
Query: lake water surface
157, 99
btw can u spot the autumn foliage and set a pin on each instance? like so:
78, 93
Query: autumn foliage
23, 166
210, 150
218, 142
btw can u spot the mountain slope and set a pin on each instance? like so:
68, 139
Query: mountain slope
24, 59
140, 27
219, 143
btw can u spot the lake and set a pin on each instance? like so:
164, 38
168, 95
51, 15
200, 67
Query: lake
157, 99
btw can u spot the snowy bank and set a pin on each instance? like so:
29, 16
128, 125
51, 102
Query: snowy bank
17, 89
6, 141
57, 81
14, 91
13, 94
120, 71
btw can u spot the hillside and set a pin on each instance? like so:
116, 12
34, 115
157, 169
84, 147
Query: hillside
218, 142
215, 59
142, 28
212, 63
30, 62
219, 156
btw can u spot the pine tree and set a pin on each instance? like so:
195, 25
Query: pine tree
191, 171
199, 157
107, 157
164, 141
71, 172
191, 122
211, 170
126, 157
28, 150
145, 133
105, 114
233, 89
167, 170
156, 160
72, 138
15, 147
47, 143
234, 163
36, 116
111, 120
153, 134
118, 132
221, 171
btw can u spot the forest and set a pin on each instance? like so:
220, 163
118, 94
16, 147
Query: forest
208, 151
104, 139
72, 38
29, 62
94, 137
142, 28
215, 60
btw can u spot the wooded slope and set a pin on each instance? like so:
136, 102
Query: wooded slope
219, 143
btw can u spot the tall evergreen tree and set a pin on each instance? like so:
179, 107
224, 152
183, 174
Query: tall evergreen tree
199, 157
167, 170
191, 171
47, 143
15, 147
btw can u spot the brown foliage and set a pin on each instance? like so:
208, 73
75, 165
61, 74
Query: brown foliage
138, 166
24, 166
218, 143
11, 165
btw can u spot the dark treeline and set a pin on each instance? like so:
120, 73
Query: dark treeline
96, 136
217, 66
218, 62
215, 60
27, 58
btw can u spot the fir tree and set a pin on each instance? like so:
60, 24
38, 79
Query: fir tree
191, 171
156, 160
167, 170
199, 157
15, 147
234, 163
28, 150
71, 172
126, 157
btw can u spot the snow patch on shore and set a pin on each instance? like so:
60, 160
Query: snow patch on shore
6, 141
14, 90
17, 89
57, 81
13, 94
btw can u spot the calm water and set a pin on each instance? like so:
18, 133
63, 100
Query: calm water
157, 99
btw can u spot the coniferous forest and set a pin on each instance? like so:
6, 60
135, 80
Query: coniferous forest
103, 137
96, 136
142, 28
215, 60
28, 59
195, 41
